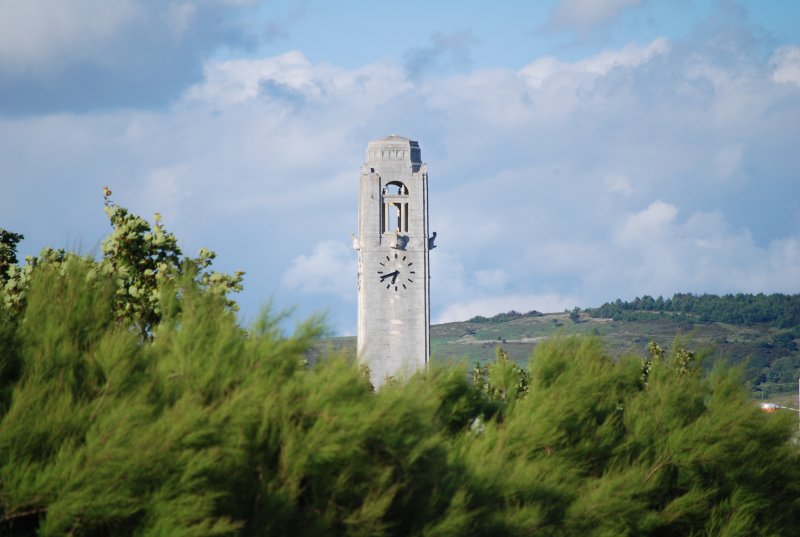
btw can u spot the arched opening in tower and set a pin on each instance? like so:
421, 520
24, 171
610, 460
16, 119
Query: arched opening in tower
395, 208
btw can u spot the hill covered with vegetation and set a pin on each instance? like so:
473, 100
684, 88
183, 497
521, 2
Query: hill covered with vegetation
132, 402
764, 344
779, 310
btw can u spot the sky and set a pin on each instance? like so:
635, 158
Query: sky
579, 151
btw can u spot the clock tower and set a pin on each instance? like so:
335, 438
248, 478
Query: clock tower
393, 268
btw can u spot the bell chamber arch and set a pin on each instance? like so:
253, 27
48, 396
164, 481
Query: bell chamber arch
394, 207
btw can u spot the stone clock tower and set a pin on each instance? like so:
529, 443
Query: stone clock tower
393, 269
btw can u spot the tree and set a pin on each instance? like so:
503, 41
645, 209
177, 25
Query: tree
8, 252
197, 427
141, 259
501, 381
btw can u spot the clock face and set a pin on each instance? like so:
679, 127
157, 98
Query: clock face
396, 273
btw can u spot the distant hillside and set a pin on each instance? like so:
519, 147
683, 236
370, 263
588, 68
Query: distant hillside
782, 311
768, 346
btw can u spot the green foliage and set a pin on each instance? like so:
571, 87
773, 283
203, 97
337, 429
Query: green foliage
785, 370
684, 361
501, 381
207, 429
575, 315
9, 361
592, 452
787, 339
140, 259
202, 428
104, 432
19, 277
8, 252
783, 311
503, 317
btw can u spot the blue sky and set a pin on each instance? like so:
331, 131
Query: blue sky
579, 150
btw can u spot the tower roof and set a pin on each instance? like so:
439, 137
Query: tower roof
394, 148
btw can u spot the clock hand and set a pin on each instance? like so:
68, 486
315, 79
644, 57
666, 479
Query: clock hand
392, 274
396, 274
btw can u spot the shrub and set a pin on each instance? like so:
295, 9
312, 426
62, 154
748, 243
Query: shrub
201, 427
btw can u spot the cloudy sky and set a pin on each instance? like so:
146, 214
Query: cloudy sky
579, 151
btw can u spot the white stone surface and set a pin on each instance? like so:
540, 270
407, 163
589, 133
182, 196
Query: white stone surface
393, 262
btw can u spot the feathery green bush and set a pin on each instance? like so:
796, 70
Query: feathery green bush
200, 427
208, 429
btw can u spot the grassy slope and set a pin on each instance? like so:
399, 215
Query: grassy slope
471, 342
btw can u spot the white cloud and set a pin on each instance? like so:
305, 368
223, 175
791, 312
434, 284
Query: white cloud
654, 252
541, 181
646, 226
291, 76
38, 33
46, 36
447, 270
631, 55
546, 69
87, 55
729, 161
786, 64
710, 256
618, 184
180, 17
491, 279
329, 269
165, 188
445, 51
236, 81
583, 15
